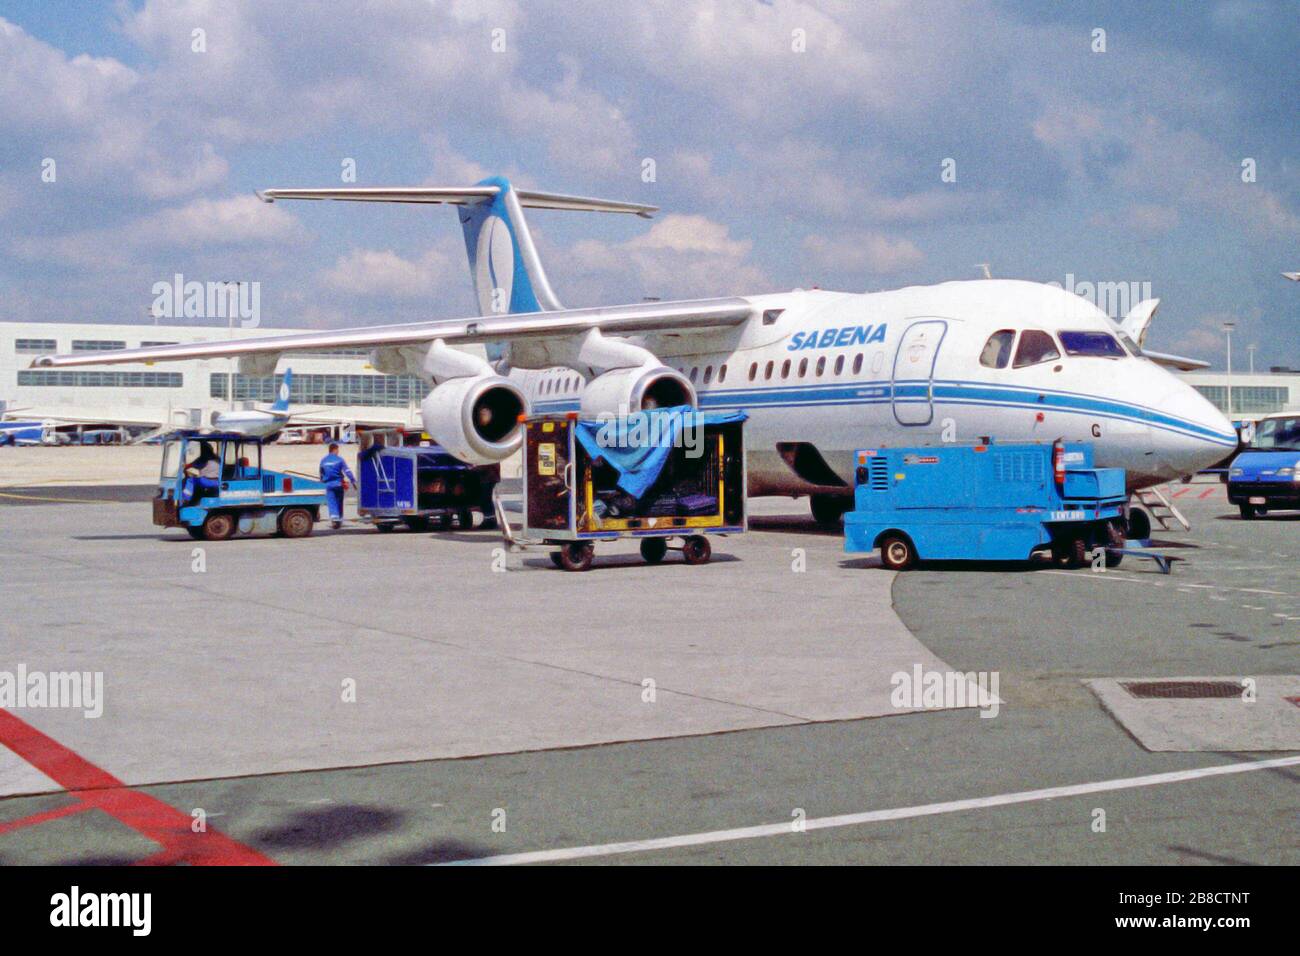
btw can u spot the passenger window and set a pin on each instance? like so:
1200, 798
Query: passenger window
722, 374
857, 363
767, 372
785, 369
695, 372
803, 367
1035, 347
821, 366
708, 374
997, 350
839, 365
753, 371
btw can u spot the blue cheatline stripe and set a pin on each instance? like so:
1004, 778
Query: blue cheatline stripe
946, 392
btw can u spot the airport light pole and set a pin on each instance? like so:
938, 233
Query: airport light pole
1227, 328
1250, 352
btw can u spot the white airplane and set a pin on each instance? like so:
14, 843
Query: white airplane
820, 373
257, 422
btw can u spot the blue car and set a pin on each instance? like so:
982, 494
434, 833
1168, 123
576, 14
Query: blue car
1266, 476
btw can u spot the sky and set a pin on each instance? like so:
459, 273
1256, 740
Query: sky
848, 145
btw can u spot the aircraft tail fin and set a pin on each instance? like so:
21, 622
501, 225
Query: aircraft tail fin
281, 404
503, 262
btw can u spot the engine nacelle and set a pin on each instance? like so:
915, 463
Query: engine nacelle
624, 390
476, 418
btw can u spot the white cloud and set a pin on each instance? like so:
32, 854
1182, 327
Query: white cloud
382, 272
862, 252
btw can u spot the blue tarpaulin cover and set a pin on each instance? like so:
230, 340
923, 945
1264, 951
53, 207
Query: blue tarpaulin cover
637, 445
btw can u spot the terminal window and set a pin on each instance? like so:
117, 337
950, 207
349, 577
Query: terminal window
35, 345
96, 345
395, 391
1261, 399
82, 379
149, 345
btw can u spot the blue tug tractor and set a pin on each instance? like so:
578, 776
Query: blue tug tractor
214, 486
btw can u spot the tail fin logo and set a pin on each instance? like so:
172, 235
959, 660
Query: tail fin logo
494, 266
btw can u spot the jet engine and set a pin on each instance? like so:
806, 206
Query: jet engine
624, 390
476, 418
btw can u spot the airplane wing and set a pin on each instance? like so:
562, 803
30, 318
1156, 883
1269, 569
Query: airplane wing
684, 315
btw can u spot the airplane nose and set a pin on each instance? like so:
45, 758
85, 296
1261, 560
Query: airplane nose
1202, 436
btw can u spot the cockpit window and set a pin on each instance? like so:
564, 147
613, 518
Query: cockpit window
1277, 434
1097, 344
1133, 348
997, 350
1035, 347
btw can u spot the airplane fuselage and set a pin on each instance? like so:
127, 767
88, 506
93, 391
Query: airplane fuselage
822, 374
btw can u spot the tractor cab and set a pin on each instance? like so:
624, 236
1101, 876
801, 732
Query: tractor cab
214, 486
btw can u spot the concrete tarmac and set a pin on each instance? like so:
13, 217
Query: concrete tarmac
424, 698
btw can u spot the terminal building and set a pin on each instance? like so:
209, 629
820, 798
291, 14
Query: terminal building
337, 386
1254, 394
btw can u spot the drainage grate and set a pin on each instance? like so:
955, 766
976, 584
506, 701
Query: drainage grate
1182, 689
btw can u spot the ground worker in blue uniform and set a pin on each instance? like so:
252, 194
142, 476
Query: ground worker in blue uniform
337, 476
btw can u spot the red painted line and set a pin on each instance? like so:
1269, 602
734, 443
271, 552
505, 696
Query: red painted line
100, 790
37, 818
1181, 491
1207, 492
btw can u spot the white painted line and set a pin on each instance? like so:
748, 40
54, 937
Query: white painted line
872, 816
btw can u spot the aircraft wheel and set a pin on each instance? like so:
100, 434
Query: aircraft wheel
1139, 524
653, 549
296, 523
829, 509
219, 526
897, 553
697, 549
577, 556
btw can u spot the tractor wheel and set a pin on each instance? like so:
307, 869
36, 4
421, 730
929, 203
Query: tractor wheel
1248, 512
1115, 535
697, 549
465, 519
195, 533
385, 527
653, 549
556, 559
1070, 552
296, 523
897, 552
219, 526
577, 556
416, 523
